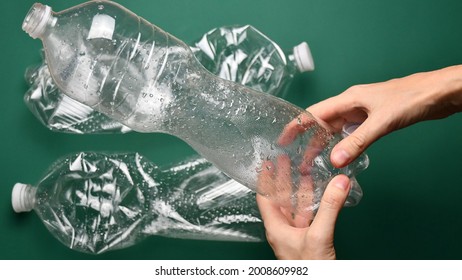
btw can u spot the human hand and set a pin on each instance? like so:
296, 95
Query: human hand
293, 237
387, 106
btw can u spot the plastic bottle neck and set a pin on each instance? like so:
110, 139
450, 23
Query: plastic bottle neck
38, 20
23, 197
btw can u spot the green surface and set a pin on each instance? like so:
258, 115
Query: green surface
412, 203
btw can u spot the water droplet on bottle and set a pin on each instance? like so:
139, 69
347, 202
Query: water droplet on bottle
274, 120
82, 53
100, 7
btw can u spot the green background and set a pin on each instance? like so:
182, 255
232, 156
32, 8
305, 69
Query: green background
413, 190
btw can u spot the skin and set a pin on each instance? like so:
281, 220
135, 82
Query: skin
380, 109
384, 107
291, 237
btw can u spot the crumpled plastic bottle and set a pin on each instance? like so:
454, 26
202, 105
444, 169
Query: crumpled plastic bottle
237, 53
97, 202
121, 65
247, 56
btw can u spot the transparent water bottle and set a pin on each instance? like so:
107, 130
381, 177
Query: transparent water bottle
59, 112
108, 58
236, 53
96, 202
245, 55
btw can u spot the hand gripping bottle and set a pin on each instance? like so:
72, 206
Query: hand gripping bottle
108, 58
236, 53
95, 202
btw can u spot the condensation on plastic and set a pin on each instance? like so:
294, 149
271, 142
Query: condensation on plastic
95, 202
237, 53
150, 81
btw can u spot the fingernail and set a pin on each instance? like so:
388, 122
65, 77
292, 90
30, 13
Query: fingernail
340, 157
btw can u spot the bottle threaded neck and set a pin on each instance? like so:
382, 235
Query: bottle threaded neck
36, 20
23, 197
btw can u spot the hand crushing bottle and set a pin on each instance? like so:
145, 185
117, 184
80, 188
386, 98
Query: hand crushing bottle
108, 58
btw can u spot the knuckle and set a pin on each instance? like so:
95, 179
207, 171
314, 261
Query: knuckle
357, 141
356, 89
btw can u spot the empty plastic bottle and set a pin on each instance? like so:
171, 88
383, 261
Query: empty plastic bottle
236, 53
59, 112
106, 57
95, 202
245, 55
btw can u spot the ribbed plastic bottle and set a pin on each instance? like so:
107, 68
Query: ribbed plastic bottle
237, 53
108, 58
96, 202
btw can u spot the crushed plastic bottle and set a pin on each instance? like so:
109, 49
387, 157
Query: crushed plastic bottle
61, 113
245, 55
96, 202
121, 65
237, 53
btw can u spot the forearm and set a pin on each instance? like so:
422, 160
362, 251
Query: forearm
445, 98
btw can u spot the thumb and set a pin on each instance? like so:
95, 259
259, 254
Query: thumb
356, 143
332, 202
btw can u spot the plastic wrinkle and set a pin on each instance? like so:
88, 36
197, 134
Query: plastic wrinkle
95, 202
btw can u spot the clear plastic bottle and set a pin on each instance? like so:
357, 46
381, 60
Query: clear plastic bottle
59, 112
237, 53
96, 202
108, 58
245, 55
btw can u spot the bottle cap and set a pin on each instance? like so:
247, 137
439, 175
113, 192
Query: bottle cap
19, 198
303, 57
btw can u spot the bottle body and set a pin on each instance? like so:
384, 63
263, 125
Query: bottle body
95, 202
150, 81
238, 53
243, 54
59, 112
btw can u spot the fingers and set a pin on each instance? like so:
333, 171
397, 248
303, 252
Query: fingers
332, 109
356, 143
297, 126
316, 145
304, 208
283, 182
332, 202
270, 213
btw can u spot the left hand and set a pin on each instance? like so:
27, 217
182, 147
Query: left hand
291, 236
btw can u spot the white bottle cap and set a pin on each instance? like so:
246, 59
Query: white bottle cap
102, 26
303, 57
20, 199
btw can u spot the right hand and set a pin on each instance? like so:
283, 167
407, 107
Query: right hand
388, 106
